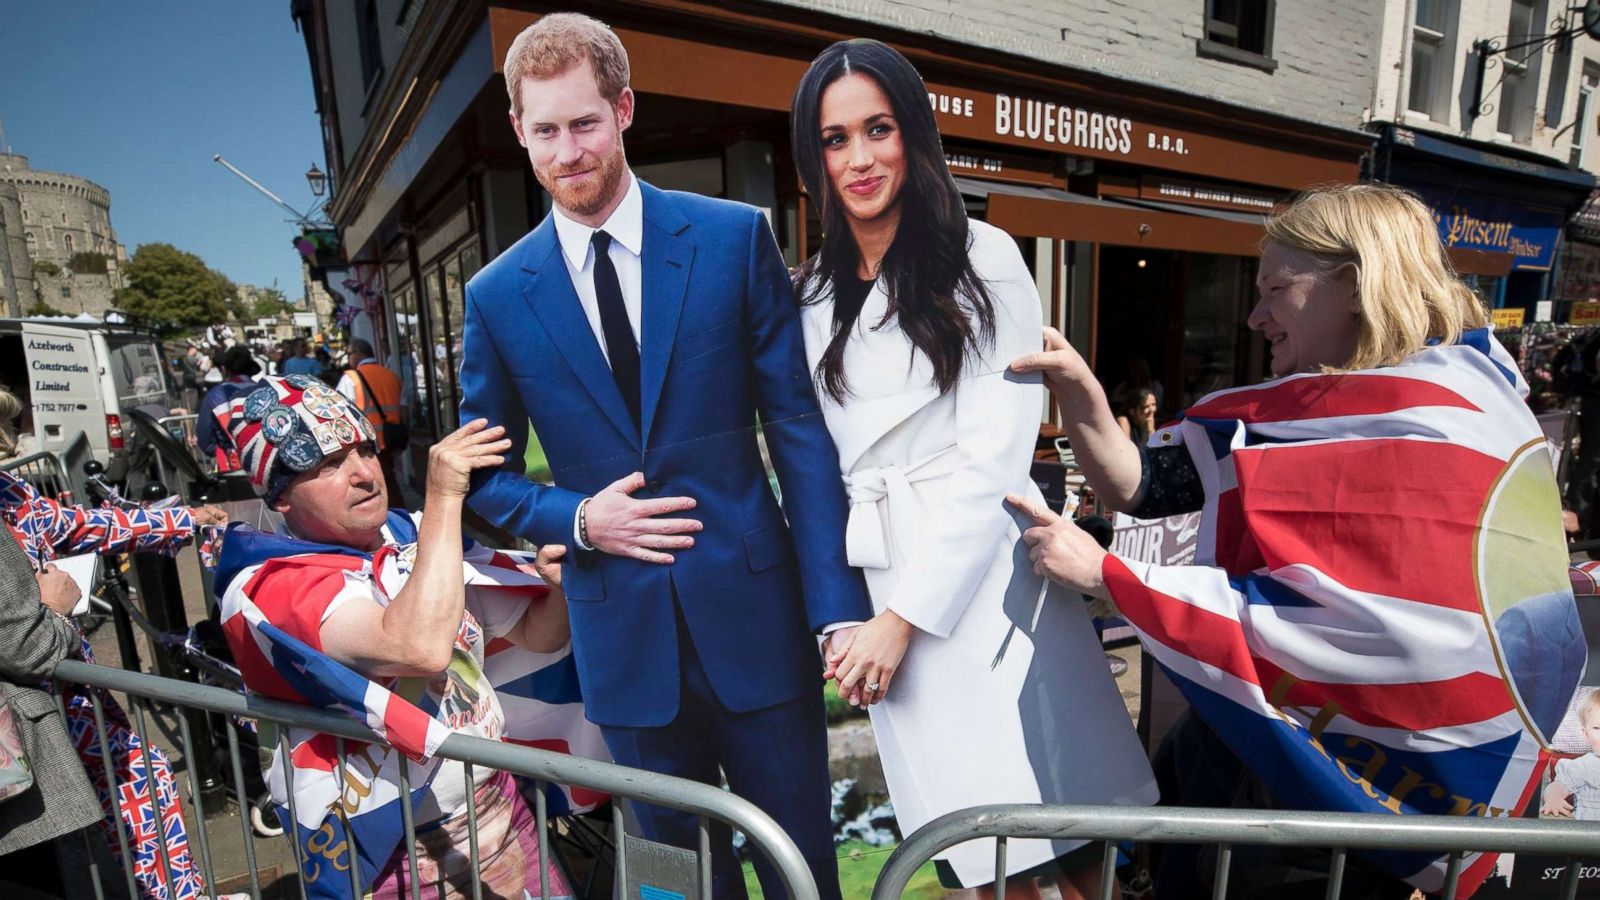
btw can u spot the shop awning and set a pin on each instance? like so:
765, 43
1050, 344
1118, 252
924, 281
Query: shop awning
1029, 211
1480, 262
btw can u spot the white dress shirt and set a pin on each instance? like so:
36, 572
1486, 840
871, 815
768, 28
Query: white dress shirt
626, 227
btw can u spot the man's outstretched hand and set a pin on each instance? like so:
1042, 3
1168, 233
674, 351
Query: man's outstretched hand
623, 526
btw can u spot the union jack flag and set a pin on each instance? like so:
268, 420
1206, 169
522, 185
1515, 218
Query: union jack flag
1380, 618
274, 590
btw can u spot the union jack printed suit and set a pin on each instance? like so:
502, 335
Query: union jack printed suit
47, 529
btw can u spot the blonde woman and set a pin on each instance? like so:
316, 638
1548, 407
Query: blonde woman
1379, 617
13, 443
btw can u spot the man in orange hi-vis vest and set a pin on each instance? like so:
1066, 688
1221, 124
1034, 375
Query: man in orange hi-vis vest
376, 392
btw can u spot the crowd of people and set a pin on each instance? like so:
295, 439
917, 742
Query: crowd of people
1339, 650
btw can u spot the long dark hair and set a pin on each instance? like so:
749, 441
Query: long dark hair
941, 303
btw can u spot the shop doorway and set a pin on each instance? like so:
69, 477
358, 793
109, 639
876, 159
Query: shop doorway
1139, 321
1182, 316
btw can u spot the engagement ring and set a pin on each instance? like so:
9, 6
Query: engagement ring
873, 686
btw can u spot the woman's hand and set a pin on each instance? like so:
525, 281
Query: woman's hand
57, 590
864, 664
1059, 362
1061, 551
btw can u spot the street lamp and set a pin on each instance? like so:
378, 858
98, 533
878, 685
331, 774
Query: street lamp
317, 180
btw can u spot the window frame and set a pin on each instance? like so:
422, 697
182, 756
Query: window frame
1206, 47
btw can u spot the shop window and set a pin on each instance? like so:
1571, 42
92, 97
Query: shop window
1519, 72
437, 365
1432, 50
1584, 129
407, 349
1239, 31
454, 316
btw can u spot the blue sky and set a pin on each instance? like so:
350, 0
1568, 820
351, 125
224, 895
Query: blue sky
137, 97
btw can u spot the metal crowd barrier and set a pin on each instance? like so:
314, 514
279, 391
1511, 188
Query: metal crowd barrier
55, 474
1227, 828
182, 429
543, 766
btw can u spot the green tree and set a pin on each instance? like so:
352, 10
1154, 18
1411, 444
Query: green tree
41, 308
174, 288
46, 267
270, 302
88, 263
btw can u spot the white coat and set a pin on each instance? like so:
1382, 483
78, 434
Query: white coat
1004, 695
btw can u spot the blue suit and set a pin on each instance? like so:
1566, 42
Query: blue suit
711, 662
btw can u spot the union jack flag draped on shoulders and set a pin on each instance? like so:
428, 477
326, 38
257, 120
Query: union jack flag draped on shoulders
276, 590
1380, 618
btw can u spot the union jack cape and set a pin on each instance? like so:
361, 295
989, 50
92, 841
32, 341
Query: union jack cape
1379, 619
360, 806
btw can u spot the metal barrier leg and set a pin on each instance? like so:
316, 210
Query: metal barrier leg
1000, 868
83, 834
541, 818
244, 812
1219, 888
195, 801
94, 864
112, 788
155, 792
619, 890
705, 858
340, 760
1108, 871
1569, 879
1336, 874
410, 825
1452, 876
294, 809
472, 832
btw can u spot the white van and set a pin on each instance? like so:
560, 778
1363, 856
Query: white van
76, 376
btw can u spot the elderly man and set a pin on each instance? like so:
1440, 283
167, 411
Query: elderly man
357, 606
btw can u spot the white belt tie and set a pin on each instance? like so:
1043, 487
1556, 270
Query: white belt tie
865, 535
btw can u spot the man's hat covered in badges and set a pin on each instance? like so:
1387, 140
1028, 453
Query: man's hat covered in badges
287, 426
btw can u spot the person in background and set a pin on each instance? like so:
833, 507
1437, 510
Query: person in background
1379, 617
239, 370
13, 441
210, 373
1138, 379
375, 390
1138, 418
327, 371
300, 360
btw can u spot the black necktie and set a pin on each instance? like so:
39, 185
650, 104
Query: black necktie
624, 354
